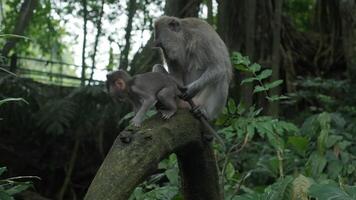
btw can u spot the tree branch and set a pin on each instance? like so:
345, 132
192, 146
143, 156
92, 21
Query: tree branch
129, 164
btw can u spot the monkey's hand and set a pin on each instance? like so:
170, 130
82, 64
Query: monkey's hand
187, 93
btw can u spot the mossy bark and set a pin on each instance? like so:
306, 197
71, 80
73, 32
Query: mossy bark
135, 156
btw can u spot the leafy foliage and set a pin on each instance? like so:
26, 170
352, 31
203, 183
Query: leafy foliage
9, 187
244, 64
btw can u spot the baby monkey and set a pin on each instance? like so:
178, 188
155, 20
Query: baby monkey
143, 91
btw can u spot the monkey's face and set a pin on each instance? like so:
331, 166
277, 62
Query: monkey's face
168, 35
116, 88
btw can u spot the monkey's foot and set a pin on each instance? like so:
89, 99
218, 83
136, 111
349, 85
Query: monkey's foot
166, 114
136, 123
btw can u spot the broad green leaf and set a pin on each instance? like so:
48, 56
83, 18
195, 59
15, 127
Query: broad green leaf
334, 168
250, 131
255, 67
231, 106
332, 140
273, 84
259, 88
328, 192
315, 165
241, 108
248, 80
230, 171
275, 141
243, 68
280, 190
264, 74
299, 144
172, 175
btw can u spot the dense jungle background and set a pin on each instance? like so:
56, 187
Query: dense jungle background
289, 125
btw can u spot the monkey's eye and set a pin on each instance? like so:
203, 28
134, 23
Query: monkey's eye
174, 25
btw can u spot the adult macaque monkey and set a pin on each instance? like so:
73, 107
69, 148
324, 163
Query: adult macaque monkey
143, 91
198, 59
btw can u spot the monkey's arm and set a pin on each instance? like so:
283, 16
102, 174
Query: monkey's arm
212, 75
147, 102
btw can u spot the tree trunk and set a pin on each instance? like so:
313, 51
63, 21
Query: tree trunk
85, 15
144, 60
21, 25
210, 18
348, 10
276, 43
246, 27
124, 57
250, 26
97, 37
128, 164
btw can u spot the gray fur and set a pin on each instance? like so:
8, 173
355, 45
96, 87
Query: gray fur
143, 91
198, 58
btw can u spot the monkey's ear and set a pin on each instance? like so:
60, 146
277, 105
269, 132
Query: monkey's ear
174, 25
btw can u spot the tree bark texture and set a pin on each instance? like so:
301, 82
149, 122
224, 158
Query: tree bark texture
23, 21
348, 16
97, 37
251, 27
128, 164
124, 57
276, 56
144, 60
85, 19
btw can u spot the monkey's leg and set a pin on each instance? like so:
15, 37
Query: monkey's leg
148, 102
167, 98
159, 68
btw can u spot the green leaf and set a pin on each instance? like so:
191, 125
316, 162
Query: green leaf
230, 171
299, 144
172, 175
255, 67
248, 80
2, 170
315, 165
351, 190
281, 190
259, 88
250, 131
243, 68
231, 106
18, 188
264, 74
4, 196
273, 84
275, 141
328, 192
